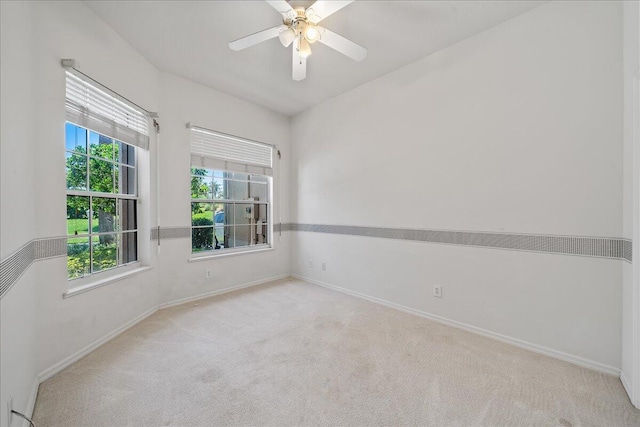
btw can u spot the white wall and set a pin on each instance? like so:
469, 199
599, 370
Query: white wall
39, 327
18, 313
184, 101
631, 70
517, 129
71, 30
41, 330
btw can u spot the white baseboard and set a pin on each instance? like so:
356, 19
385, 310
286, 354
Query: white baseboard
576, 360
31, 403
48, 373
627, 385
221, 291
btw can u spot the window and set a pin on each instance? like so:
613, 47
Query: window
101, 202
230, 192
229, 210
103, 132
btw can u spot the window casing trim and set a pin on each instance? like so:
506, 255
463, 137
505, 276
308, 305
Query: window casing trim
82, 193
102, 278
209, 255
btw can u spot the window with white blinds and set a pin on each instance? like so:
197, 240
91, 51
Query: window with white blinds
93, 108
217, 150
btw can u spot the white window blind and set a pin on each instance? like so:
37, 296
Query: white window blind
221, 151
89, 106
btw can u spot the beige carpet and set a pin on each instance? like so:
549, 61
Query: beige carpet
291, 354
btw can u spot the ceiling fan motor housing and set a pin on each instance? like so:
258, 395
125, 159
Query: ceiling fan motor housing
298, 23
303, 25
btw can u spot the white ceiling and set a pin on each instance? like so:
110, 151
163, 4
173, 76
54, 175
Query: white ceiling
190, 39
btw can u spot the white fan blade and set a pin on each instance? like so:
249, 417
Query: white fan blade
256, 38
283, 7
299, 64
342, 45
321, 9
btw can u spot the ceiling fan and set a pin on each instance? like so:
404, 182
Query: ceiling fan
300, 28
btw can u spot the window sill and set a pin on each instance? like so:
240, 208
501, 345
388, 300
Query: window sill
210, 256
99, 283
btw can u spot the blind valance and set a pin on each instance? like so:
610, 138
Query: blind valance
221, 151
89, 106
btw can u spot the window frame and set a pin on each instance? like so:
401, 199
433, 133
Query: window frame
266, 180
117, 165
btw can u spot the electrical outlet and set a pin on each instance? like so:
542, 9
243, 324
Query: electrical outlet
310, 263
324, 265
437, 291
208, 274
9, 410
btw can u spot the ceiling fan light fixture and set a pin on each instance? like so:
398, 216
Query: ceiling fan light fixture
312, 34
304, 48
311, 16
286, 37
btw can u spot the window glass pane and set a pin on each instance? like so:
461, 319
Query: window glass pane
125, 177
78, 257
260, 212
103, 215
218, 189
201, 171
242, 236
77, 215
101, 146
220, 211
201, 213
105, 252
259, 178
258, 191
225, 189
100, 176
116, 178
116, 149
240, 176
202, 239
201, 185
261, 233
218, 174
129, 248
127, 215
243, 214
125, 153
75, 138
228, 233
220, 237
76, 171
236, 190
